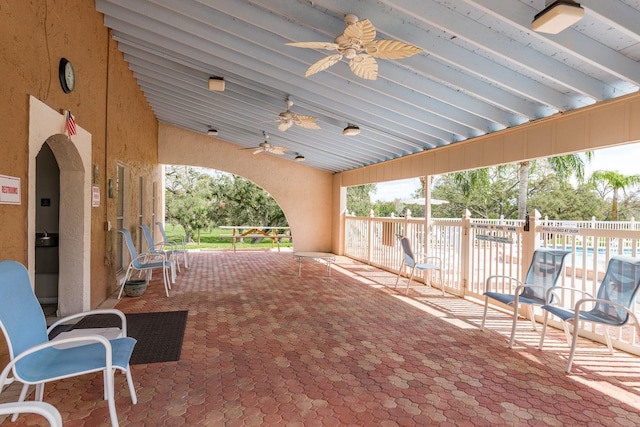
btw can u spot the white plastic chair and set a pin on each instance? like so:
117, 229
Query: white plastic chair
35, 360
145, 262
544, 271
612, 306
177, 247
420, 263
48, 411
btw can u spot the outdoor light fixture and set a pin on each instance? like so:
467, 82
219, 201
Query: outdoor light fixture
216, 84
299, 158
351, 130
557, 16
212, 132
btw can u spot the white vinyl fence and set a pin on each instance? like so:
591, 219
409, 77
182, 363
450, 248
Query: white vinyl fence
473, 249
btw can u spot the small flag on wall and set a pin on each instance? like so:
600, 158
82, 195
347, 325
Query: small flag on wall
71, 124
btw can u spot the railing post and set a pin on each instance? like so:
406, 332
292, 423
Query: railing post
465, 255
370, 237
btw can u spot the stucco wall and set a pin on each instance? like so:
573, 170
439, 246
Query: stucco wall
303, 193
33, 38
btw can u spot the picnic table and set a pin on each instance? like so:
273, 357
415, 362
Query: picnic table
239, 232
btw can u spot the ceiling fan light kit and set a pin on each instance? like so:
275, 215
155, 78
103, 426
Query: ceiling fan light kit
557, 17
212, 132
357, 44
351, 130
216, 84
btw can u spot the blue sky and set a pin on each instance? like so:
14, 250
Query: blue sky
624, 159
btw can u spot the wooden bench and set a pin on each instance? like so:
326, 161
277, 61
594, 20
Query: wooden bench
252, 232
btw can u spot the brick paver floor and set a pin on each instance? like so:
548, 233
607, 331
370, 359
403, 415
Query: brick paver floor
264, 347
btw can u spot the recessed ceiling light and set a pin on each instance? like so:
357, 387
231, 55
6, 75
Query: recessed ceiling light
351, 130
216, 84
557, 16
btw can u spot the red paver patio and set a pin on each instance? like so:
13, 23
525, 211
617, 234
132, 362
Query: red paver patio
264, 347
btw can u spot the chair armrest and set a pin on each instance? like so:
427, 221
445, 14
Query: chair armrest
553, 289
500, 276
97, 338
48, 411
424, 258
145, 256
115, 311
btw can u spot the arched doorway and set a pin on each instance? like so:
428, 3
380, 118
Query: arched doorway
73, 156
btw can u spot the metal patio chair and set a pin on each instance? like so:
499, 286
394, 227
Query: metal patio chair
544, 271
35, 360
418, 262
177, 247
145, 262
159, 248
612, 306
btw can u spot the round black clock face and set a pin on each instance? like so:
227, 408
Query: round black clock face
67, 75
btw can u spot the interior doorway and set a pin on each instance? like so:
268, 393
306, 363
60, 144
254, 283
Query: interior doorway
73, 157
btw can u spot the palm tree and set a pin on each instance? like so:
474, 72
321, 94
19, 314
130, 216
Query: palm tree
614, 182
563, 166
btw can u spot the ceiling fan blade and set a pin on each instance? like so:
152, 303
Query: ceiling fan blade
277, 150
364, 66
285, 125
391, 49
314, 45
361, 30
259, 150
307, 122
323, 64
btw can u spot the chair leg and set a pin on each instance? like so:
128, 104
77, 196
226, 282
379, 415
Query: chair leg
185, 258
23, 395
165, 279
399, 273
532, 317
608, 338
39, 392
574, 343
514, 323
544, 329
441, 277
109, 380
484, 315
413, 270
132, 390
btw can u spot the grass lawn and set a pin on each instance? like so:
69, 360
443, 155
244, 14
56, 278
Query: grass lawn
210, 239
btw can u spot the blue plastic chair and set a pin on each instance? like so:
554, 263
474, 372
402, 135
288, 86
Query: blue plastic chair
35, 360
145, 262
420, 263
543, 274
177, 247
612, 305
159, 248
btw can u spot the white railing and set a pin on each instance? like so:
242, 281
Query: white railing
473, 249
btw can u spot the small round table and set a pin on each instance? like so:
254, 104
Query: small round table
325, 256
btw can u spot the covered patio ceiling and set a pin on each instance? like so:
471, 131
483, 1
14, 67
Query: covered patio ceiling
481, 69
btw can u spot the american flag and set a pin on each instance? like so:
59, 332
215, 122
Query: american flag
71, 124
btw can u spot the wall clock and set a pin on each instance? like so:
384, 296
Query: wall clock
67, 75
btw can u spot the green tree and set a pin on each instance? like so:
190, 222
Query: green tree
188, 198
563, 166
242, 202
359, 199
610, 182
